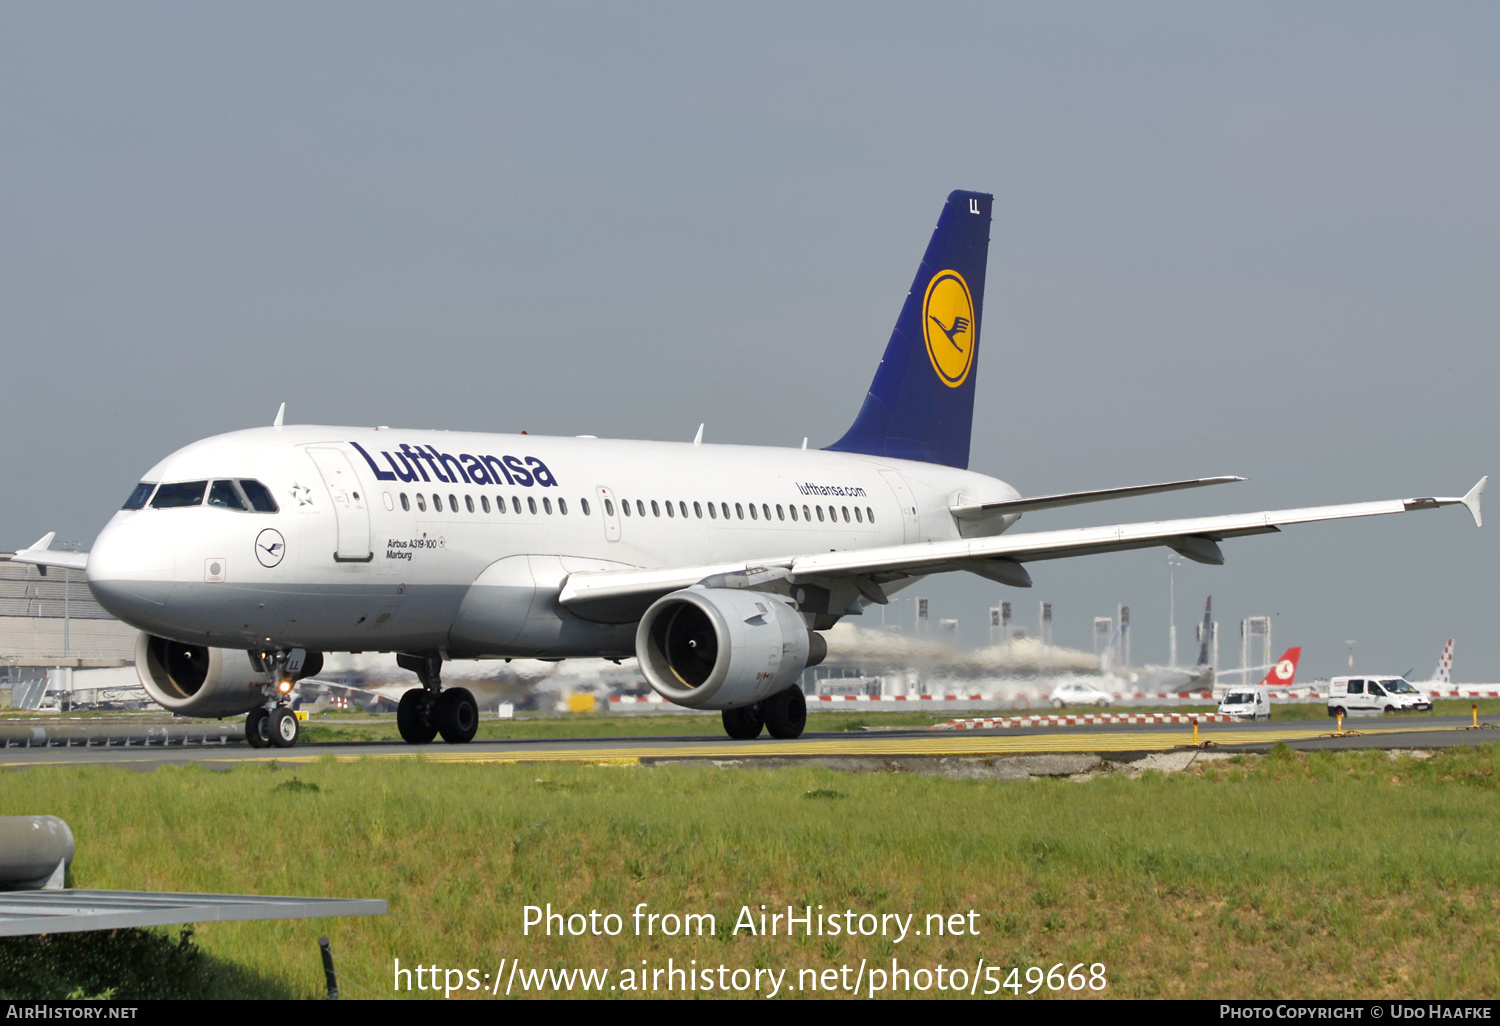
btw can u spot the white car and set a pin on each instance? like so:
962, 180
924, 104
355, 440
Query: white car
1246, 704
1078, 694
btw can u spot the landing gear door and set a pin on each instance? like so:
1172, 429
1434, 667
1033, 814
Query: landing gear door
906, 501
350, 508
609, 512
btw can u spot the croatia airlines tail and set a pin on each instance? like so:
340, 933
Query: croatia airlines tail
243, 558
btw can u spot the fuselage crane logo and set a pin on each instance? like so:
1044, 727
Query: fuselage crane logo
948, 326
270, 546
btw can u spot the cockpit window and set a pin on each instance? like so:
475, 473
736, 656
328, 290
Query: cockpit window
184, 493
259, 496
138, 497
223, 493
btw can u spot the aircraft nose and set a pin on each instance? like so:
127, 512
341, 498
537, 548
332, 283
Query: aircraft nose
130, 571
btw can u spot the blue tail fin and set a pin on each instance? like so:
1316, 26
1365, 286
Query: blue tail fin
921, 403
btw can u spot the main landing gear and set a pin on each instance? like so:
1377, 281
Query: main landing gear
275, 723
425, 712
784, 714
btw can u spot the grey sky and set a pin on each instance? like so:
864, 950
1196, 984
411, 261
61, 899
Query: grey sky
1254, 239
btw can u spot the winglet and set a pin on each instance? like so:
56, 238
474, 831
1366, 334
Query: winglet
698, 438
42, 544
279, 414
1471, 500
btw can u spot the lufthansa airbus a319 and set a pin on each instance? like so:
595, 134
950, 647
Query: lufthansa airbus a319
243, 557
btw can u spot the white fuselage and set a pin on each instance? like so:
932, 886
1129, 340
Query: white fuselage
354, 560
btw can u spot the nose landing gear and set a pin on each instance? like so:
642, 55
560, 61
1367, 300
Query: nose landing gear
275, 723
425, 712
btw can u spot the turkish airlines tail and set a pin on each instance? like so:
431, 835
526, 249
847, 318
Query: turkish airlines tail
1444, 672
1284, 672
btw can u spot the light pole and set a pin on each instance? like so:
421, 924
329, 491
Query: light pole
1351, 655
71, 546
1173, 562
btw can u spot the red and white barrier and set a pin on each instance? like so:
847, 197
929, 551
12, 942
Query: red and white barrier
993, 722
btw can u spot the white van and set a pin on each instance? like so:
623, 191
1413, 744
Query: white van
1374, 694
1246, 703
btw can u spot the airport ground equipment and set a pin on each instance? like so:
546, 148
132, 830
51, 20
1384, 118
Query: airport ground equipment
35, 852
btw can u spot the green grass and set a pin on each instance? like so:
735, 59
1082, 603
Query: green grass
1334, 874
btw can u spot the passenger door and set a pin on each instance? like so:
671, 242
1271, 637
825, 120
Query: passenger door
350, 508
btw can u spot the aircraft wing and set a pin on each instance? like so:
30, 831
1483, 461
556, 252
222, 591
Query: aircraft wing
613, 592
40, 555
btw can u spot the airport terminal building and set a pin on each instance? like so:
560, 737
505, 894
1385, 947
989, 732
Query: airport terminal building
50, 621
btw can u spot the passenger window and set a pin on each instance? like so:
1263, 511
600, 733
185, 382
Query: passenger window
259, 496
725, 507
585, 504
713, 512
857, 518
547, 505
138, 497
469, 502
453, 502
752, 512
1356, 687
421, 503
655, 510
609, 508
670, 511
766, 510
175, 496
683, 507
562, 506
807, 516
739, 511
405, 503
697, 510
223, 493
793, 510
389, 502
499, 504
779, 514
531, 504
515, 503
846, 513
437, 502
625, 506
869, 514
484, 503
820, 513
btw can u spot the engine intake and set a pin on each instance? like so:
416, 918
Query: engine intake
192, 680
721, 648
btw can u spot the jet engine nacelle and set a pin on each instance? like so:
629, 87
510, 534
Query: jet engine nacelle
721, 648
192, 680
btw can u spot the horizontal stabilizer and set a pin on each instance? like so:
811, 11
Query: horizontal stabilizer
980, 510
